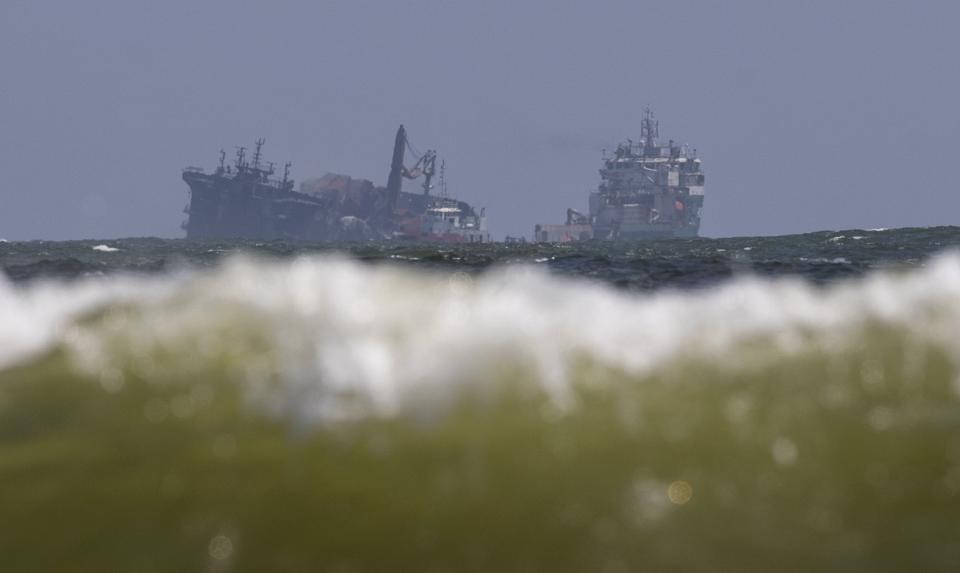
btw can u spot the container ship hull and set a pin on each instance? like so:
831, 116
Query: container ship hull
226, 208
242, 200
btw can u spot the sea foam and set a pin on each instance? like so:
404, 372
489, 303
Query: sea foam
325, 327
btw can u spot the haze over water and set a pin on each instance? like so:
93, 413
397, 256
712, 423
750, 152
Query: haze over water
809, 116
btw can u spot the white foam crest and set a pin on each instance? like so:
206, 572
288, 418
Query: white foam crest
405, 339
33, 319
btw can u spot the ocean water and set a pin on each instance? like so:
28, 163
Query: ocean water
747, 404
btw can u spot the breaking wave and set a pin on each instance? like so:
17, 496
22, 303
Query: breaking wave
319, 411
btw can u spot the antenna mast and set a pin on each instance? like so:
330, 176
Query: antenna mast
443, 178
240, 153
256, 154
649, 129
429, 168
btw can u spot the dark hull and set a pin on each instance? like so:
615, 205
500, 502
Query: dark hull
221, 208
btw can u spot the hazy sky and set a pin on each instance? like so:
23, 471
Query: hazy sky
808, 115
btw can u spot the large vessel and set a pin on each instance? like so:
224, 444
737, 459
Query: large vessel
647, 190
245, 200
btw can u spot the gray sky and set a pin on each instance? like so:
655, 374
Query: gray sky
808, 115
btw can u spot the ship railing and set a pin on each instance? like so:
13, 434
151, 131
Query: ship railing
265, 181
276, 183
193, 169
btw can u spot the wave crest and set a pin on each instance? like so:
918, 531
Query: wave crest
310, 331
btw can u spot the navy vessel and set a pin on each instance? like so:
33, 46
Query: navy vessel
647, 190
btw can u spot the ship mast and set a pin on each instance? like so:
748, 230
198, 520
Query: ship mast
443, 179
256, 154
649, 129
240, 154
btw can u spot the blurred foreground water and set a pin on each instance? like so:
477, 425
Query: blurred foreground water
482, 412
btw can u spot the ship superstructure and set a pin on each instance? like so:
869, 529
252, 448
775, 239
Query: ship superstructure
244, 200
647, 190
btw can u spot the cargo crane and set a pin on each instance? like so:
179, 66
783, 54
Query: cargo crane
425, 165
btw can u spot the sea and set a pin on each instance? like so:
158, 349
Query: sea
784, 403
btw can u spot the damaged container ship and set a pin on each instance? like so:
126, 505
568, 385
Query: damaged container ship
647, 190
245, 200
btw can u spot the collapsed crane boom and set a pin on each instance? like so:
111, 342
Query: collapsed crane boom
395, 181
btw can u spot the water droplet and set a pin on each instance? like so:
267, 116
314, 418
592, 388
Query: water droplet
784, 452
648, 500
220, 548
680, 492
881, 418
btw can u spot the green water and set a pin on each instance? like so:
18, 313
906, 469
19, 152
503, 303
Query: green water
816, 462
321, 414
